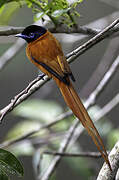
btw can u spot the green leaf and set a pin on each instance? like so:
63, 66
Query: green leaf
60, 12
39, 15
57, 10
39, 110
56, 4
9, 163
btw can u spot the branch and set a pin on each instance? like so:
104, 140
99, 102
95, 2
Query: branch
107, 108
105, 173
108, 58
92, 98
80, 29
31, 88
99, 37
11, 52
82, 154
11, 31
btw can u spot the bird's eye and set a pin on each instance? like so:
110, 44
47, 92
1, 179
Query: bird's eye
31, 35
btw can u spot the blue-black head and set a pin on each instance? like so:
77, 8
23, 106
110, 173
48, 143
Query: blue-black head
32, 32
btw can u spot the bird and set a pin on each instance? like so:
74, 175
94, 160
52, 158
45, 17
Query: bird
45, 51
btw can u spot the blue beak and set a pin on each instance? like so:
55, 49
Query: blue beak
19, 35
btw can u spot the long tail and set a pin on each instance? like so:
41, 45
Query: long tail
73, 101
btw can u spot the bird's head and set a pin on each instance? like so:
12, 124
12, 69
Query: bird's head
32, 32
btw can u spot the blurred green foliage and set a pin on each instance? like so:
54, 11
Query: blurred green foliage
6, 12
113, 137
60, 12
41, 110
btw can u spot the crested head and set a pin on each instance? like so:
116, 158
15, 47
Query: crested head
32, 32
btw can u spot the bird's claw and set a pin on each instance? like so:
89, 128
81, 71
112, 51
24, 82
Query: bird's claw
41, 76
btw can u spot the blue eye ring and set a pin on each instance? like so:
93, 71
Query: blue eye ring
31, 35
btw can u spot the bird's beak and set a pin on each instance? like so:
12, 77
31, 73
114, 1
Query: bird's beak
19, 35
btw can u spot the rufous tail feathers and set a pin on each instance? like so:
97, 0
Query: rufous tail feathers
73, 101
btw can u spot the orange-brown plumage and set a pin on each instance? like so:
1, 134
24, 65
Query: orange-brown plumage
47, 49
46, 53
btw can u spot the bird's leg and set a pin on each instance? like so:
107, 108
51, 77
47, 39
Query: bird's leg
41, 76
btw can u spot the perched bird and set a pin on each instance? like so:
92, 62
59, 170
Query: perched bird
45, 52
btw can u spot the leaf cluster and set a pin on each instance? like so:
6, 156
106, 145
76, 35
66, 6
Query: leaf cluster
9, 164
59, 12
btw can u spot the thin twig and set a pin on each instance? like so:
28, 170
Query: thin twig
30, 89
107, 108
81, 154
111, 53
100, 36
105, 80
